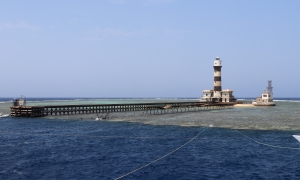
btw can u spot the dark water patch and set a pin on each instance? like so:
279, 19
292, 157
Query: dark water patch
44, 148
39, 148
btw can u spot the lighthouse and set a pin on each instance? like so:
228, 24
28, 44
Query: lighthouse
217, 78
217, 94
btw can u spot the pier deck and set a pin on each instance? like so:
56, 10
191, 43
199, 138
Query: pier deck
151, 108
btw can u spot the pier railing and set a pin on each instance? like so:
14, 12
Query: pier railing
150, 108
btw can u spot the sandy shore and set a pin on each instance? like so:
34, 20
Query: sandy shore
243, 105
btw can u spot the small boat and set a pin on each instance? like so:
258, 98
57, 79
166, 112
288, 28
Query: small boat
297, 137
4, 115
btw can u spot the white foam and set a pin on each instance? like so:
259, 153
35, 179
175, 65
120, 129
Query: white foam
287, 100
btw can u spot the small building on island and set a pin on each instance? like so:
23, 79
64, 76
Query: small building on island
217, 95
20, 101
266, 98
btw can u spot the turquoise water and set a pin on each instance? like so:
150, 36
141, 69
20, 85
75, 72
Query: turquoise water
284, 116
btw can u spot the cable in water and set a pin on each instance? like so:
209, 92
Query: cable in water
161, 157
265, 143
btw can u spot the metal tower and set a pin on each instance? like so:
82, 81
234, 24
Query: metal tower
270, 88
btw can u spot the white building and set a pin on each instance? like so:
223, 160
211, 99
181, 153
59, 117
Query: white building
266, 98
217, 95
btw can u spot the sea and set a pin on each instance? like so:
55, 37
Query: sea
242, 142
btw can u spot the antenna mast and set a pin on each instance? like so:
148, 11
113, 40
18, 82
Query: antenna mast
270, 88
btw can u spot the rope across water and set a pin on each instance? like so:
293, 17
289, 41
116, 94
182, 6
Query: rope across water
161, 157
258, 142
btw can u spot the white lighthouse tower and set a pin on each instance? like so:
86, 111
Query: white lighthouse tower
217, 78
217, 94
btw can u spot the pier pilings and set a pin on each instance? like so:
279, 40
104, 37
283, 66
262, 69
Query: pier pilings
147, 108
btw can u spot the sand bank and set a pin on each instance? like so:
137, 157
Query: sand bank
243, 105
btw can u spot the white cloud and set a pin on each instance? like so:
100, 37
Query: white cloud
120, 32
176, 34
20, 25
99, 34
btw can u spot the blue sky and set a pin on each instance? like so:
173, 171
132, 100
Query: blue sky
148, 48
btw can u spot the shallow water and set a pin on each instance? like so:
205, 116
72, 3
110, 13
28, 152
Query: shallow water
284, 116
230, 145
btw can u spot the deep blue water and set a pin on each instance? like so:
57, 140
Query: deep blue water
35, 148
42, 148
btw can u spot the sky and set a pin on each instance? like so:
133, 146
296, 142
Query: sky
148, 48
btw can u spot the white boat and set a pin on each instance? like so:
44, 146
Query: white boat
4, 115
297, 137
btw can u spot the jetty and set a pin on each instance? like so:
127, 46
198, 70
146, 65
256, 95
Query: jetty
20, 109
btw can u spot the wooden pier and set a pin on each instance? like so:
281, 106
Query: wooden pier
149, 108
